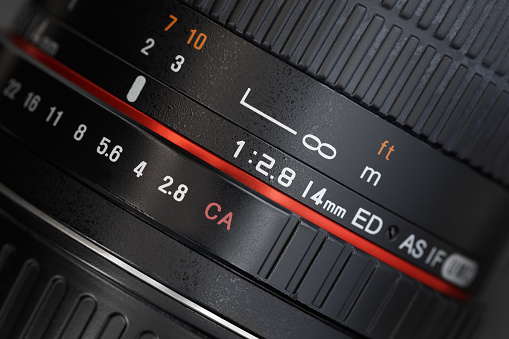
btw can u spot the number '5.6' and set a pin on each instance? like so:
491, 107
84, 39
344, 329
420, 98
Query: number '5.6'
114, 155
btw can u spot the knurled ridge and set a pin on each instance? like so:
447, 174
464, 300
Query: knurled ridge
360, 292
362, 50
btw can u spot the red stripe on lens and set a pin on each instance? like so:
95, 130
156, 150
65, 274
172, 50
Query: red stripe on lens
245, 178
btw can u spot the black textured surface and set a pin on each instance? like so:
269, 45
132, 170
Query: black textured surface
356, 302
217, 77
352, 288
51, 295
335, 279
416, 62
181, 267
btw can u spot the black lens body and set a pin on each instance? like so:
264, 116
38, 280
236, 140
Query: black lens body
253, 169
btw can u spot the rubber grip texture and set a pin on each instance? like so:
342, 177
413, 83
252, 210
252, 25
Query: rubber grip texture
438, 68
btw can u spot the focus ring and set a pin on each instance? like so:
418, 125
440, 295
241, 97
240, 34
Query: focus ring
351, 287
438, 68
314, 269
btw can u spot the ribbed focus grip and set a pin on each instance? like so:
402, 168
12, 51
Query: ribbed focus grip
353, 288
45, 293
438, 68
329, 280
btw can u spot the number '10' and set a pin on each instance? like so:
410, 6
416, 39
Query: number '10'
199, 41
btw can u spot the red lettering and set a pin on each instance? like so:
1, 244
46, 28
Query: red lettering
227, 219
208, 209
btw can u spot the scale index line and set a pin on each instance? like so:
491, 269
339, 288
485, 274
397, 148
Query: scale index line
241, 175
257, 111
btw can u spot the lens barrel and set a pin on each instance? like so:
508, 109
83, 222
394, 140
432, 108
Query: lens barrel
252, 168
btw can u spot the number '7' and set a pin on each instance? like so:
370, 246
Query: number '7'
173, 21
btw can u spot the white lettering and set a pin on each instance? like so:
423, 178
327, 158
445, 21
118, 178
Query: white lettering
408, 243
378, 228
420, 246
372, 173
360, 220
438, 258
414, 248
358, 216
430, 255
331, 207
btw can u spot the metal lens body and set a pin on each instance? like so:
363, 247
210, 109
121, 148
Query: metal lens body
252, 168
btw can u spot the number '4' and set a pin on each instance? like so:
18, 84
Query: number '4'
139, 169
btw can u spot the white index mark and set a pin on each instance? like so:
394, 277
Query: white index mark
136, 88
257, 111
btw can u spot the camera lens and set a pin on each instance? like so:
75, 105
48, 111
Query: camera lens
252, 168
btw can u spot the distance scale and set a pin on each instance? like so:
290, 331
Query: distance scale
287, 174
113, 151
